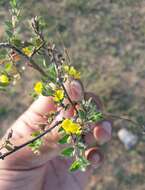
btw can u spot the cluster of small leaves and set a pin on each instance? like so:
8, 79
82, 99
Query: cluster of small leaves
35, 146
79, 164
88, 112
76, 151
11, 25
10, 70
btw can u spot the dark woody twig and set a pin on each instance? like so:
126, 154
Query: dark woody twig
57, 66
29, 59
16, 148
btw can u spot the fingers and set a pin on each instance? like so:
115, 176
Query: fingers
25, 126
43, 105
95, 156
29, 122
101, 134
75, 90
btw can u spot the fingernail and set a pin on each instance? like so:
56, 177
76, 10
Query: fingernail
102, 135
75, 90
94, 156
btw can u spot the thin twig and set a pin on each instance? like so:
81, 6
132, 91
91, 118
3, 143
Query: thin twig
125, 119
37, 49
54, 59
16, 148
69, 97
29, 59
65, 49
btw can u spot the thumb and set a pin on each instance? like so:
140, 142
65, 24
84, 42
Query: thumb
24, 127
28, 122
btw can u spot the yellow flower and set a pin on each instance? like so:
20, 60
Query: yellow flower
27, 51
66, 68
71, 127
58, 95
72, 72
4, 79
38, 87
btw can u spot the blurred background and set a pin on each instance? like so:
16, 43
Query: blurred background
106, 41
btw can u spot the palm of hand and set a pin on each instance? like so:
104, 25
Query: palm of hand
53, 170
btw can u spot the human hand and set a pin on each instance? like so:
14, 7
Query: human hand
25, 170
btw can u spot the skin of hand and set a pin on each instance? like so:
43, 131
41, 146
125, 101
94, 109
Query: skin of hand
25, 170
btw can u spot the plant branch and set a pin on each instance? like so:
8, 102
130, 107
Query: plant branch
125, 119
54, 59
33, 64
16, 148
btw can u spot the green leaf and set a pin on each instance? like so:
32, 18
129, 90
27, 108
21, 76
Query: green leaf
44, 63
8, 67
80, 164
3, 54
68, 152
4, 84
16, 42
8, 147
61, 129
95, 117
64, 139
81, 146
42, 23
37, 42
47, 91
35, 134
82, 114
76, 165
52, 73
84, 163
36, 144
13, 3
9, 25
2, 89
9, 33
